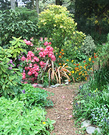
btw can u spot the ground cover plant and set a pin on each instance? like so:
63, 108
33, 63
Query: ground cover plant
15, 118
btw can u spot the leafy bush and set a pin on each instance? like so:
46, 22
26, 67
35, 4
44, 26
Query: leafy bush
11, 25
55, 21
16, 119
17, 46
88, 46
27, 14
34, 96
9, 76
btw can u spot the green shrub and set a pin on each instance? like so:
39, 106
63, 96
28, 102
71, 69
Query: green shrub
88, 46
11, 25
17, 46
34, 96
16, 119
56, 22
9, 75
27, 14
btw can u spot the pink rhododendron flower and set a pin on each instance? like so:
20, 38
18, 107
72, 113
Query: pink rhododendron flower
48, 47
51, 49
32, 60
28, 42
23, 75
35, 65
23, 58
31, 38
25, 82
30, 54
29, 73
45, 53
30, 64
41, 63
31, 45
42, 54
46, 43
45, 38
49, 43
24, 40
32, 68
41, 49
53, 58
46, 50
38, 48
41, 39
36, 74
27, 59
49, 55
27, 68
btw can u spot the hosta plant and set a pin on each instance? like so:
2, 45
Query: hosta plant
16, 119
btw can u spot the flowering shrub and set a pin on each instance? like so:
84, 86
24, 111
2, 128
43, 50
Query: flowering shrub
56, 21
38, 61
79, 70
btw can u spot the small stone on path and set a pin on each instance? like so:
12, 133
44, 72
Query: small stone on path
90, 130
85, 123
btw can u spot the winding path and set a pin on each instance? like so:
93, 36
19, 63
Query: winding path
61, 112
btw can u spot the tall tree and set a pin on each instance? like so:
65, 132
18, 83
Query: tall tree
92, 15
32, 4
37, 6
13, 4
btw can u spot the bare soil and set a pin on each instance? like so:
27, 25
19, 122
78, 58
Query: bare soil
62, 110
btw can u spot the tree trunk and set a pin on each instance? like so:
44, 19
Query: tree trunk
13, 4
37, 6
32, 4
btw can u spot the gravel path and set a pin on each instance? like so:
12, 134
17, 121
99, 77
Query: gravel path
61, 112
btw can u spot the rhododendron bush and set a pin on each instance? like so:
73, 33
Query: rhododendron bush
36, 62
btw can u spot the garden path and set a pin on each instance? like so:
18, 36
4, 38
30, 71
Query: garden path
61, 112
